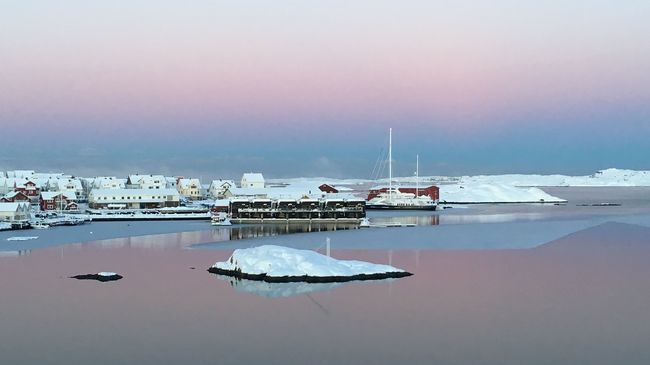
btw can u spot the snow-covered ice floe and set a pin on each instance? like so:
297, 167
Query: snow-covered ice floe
100, 276
277, 264
22, 238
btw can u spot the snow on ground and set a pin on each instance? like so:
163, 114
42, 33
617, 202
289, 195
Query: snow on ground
508, 188
608, 177
106, 273
278, 261
493, 193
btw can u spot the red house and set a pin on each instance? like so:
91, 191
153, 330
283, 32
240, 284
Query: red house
28, 188
432, 191
15, 196
54, 200
326, 188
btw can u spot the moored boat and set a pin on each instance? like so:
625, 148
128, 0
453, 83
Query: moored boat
396, 198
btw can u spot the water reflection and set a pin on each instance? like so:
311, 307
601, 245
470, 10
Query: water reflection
277, 290
15, 253
284, 290
255, 231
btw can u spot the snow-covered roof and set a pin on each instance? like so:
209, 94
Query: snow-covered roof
147, 179
49, 195
222, 182
20, 173
65, 184
132, 192
12, 194
188, 183
102, 181
253, 177
13, 207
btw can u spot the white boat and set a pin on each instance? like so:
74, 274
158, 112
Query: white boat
394, 199
221, 219
40, 226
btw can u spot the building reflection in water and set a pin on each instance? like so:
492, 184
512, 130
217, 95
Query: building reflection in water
270, 230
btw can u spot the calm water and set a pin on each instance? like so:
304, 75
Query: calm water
582, 298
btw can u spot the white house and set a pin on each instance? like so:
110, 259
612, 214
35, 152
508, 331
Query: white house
73, 185
6, 186
252, 180
219, 187
146, 182
171, 182
189, 188
21, 174
14, 212
133, 198
107, 182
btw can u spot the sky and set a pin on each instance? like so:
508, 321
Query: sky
310, 88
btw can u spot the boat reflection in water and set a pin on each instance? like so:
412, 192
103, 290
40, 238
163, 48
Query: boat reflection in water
420, 220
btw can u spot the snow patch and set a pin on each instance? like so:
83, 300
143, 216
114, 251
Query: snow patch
494, 193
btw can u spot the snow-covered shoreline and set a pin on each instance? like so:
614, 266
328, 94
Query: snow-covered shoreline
486, 189
278, 264
610, 177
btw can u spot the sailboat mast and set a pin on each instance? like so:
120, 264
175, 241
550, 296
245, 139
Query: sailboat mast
390, 163
417, 176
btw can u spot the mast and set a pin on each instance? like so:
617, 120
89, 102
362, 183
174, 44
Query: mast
390, 163
417, 176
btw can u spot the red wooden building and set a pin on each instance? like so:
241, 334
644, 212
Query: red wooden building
28, 188
13, 197
58, 201
432, 191
327, 188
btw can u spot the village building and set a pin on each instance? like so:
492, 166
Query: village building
27, 187
107, 182
6, 185
146, 182
58, 200
172, 182
68, 185
20, 174
147, 198
252, 181
14, 196
189, 188
218, 188
14, 212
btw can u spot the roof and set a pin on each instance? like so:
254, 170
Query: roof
49, 195
187, 183
147, 179
222, 182
12, 207
253, 176
132, 192
12, 194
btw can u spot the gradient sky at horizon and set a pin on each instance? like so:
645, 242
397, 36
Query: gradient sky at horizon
307, 88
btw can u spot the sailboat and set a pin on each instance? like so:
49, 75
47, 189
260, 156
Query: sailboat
393, 198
